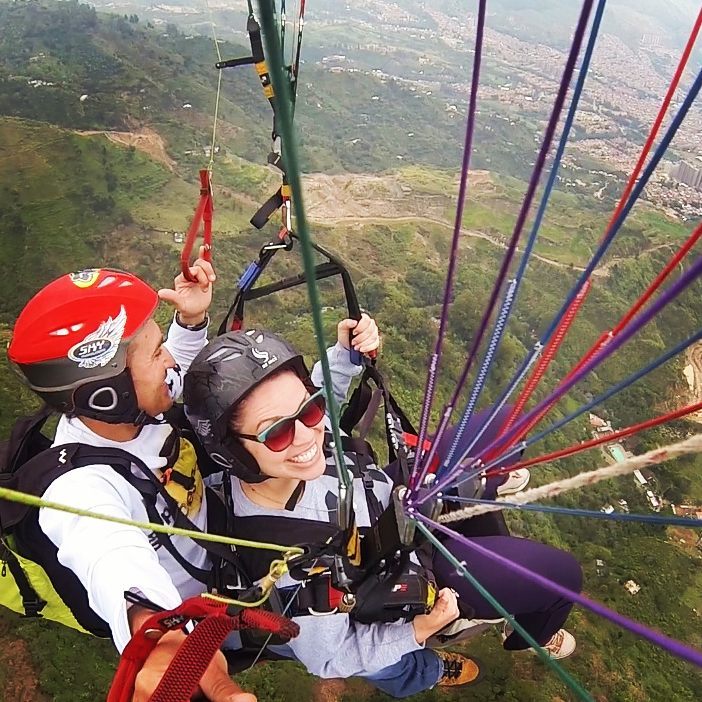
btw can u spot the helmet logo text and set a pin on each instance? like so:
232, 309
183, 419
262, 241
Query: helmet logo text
264, 358
204, 427
99, 347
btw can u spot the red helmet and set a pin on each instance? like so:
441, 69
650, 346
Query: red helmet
73, 334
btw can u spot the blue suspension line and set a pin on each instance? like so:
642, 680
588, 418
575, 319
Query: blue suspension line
630, 380
514, 285
602, 249
591, 513
483, 372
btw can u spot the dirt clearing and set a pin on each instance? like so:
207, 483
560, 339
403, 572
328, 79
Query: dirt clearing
145, 140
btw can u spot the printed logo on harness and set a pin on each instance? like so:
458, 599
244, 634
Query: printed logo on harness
174, 621
86, 278
99, 347
204, 427
392, 426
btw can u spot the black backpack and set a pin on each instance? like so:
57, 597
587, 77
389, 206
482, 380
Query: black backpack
32, 581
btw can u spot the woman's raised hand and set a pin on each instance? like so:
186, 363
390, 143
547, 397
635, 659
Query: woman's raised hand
362, 334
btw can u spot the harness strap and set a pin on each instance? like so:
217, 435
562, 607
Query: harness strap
200, 574
31, 602
203, 215
150, 487
316, 596
233, 320
367, 419
267, 209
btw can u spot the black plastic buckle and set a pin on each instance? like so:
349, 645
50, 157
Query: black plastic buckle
285, 244
32, 608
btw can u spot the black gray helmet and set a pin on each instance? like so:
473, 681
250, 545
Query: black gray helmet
220, 377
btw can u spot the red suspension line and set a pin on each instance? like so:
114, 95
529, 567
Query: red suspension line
605, 338
556, 341
609, 438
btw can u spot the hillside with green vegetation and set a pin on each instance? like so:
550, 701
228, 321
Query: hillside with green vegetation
70, 199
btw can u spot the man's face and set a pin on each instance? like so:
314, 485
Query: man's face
148, 361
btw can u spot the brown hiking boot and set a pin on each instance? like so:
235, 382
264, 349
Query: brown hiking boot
458, 670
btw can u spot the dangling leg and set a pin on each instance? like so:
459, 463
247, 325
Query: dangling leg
539, 610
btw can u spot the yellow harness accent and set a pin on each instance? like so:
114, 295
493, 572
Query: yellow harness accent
262, 70
189, 500
10, 596
353, 547
431, 596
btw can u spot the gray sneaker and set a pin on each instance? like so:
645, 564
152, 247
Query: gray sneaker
560, 645
517, 481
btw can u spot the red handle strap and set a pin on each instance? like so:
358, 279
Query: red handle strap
182, 677
203, 215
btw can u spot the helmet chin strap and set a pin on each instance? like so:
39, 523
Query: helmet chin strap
112, 401
244, 465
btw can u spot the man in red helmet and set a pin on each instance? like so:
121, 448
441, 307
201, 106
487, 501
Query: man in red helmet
88, 345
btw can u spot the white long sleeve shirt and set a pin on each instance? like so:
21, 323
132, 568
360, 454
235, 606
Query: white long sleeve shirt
109, 558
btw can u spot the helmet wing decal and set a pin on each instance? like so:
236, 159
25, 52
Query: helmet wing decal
99, 347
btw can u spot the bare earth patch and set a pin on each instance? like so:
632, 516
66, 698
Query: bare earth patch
358, 198
21, 683
329, 690
145, 140
693, 376
335, 198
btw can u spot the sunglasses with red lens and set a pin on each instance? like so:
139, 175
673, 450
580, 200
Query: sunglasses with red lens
279, 435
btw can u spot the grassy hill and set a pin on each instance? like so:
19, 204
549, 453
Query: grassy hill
70, 199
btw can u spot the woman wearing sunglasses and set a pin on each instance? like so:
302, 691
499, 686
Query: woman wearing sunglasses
259, 414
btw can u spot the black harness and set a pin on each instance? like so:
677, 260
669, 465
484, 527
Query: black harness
32, 466
381, 582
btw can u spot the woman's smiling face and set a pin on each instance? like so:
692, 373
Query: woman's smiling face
277, 397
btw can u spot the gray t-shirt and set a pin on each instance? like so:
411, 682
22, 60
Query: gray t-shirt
334, 645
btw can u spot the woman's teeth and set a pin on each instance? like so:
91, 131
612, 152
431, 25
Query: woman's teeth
306, 456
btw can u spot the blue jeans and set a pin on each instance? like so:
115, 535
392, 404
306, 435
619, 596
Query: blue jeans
413, 673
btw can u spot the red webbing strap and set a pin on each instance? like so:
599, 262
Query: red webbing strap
578, 301
182, 678
180, 682
203, 215
197, 650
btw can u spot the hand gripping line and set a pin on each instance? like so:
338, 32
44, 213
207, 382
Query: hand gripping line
215, 619
203, 215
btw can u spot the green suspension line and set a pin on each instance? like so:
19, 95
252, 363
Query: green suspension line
461, 569
281, 87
